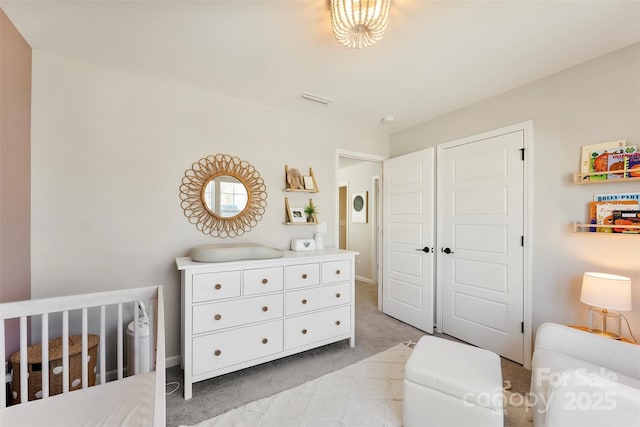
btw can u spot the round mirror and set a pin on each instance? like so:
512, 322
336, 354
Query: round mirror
358, 203
223, 196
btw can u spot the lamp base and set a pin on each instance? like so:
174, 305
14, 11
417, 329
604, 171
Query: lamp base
604, 322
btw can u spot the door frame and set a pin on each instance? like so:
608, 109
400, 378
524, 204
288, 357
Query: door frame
376, 227
527, 312
336, 180
346, 216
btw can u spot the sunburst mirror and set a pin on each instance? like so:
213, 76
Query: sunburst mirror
223, 196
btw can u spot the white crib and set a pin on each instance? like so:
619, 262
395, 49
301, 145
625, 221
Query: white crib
133, 400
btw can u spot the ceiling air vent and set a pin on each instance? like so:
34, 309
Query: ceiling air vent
315, 98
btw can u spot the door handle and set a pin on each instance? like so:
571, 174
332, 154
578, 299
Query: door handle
447, 251
426, 250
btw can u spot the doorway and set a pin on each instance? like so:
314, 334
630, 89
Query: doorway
358, 219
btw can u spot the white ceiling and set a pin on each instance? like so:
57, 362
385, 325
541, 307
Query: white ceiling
436, 56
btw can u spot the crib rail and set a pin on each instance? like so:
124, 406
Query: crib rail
23, 310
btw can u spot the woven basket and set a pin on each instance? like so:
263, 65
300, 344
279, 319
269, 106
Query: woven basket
34, 367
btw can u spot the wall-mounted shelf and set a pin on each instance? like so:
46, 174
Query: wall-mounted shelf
289, 220
586, 228
310, 181
580, 178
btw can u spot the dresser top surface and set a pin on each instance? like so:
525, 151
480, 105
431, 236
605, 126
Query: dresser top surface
185, 263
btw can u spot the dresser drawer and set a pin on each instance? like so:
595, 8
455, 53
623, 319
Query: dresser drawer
216, 351
318, 326
316, 298
261, 280
302, 275
214, 286
336, 271
227, 314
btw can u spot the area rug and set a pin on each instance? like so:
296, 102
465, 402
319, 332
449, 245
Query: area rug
367, 393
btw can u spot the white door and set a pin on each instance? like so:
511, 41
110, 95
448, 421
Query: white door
408, 237
481, 208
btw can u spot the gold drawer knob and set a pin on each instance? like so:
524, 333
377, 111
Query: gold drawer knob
264, 340
304, 301
218, 286
265, 281
217, 352
338, 322
304, 276
304, 332
217, 316
265, 308
337, 271
338, 295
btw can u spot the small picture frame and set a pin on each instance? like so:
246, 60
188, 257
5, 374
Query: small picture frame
297, 215
308, 183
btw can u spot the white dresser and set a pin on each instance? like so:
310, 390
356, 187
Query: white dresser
243, 313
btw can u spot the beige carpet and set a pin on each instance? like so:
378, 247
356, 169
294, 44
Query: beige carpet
367, 393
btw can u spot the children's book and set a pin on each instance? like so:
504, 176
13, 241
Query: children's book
614, 160
626, 218
633, 165
591, 152
613, 197
602, 212
616, 163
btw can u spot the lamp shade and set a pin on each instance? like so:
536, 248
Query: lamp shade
607, 291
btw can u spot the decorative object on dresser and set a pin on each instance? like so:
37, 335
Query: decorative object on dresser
302, 245
223, 195
243, 313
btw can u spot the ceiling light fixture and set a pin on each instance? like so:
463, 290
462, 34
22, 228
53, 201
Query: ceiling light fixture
359, 23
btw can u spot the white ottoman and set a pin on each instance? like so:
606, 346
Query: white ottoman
451, 384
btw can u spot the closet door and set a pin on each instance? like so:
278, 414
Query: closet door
481, 223
408, 237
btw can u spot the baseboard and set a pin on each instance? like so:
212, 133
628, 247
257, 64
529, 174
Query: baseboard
112, 374
365, 280
172, 361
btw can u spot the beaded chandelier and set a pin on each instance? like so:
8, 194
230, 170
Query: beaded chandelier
359, 23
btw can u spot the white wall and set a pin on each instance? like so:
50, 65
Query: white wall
109, 149
594, 102
361, 236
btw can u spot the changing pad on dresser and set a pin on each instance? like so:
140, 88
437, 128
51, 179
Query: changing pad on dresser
233, 252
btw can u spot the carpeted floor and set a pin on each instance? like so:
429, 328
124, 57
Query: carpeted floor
375, 332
